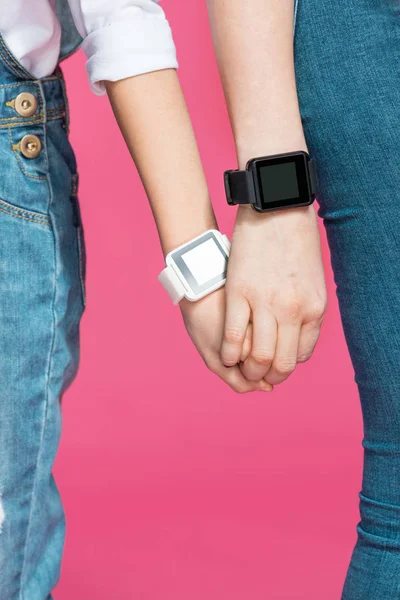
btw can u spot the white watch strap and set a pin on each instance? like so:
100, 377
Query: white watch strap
226, 241
171, 282
173, 285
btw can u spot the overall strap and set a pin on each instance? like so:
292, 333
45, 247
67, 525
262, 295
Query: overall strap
10, 68
71, 39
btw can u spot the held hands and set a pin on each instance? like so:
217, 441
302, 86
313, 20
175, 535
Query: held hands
204, 321
253, 332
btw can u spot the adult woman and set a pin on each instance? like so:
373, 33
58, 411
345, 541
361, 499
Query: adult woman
345, 105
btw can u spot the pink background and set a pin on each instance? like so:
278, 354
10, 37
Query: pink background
176, 488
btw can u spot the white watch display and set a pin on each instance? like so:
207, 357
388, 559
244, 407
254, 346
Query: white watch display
196, 268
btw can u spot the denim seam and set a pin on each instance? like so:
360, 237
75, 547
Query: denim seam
4, 57
74, 190
30, 219
10, 85
81, 258
29, 120
29, 213
46, 403
79, 234
52, 117
66, 102
14, 64
35, 82
46, 119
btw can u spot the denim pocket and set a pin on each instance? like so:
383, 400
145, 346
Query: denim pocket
24, 214
80, 236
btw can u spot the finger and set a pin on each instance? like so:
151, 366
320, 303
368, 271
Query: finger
257, 365
238, 382
309, 335
285, 359
246, 348
236, 320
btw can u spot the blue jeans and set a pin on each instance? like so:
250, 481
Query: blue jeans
42, 299
347, 56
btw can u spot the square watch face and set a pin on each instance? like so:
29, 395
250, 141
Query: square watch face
282, 181
202, 263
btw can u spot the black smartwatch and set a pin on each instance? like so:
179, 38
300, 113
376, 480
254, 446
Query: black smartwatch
273, 182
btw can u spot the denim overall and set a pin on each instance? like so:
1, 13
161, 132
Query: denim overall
42, 299
347, 58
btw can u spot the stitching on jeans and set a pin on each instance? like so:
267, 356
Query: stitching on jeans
21, 166
34, 82
57, 116
51, 78
9, 64
9, 85
27, 120
74, 186
80, 234
21, 83
30, 219
81, 259
66, 103
44, 105
24, 211
15, 62
20, 123
34, 118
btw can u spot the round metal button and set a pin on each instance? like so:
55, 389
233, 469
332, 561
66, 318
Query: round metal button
30, 146
26, 104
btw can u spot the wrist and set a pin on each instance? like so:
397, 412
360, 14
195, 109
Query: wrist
247, 217
197, 267
268, 145
185, 231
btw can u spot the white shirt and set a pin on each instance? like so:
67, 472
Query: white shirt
121, 37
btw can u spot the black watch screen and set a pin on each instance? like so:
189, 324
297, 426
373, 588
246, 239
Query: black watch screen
273, 182
281, 181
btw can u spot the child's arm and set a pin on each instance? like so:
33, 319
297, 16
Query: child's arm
152, 114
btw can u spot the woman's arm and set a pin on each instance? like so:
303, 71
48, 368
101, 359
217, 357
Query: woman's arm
152, 114
254, 47
275, 274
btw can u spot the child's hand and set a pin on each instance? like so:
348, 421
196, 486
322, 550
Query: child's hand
204, 321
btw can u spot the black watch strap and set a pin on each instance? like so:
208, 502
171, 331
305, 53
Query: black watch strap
239, 185
313, 176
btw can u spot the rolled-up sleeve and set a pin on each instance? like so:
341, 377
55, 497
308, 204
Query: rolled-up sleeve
122, 38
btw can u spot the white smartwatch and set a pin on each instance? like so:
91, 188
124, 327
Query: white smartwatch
196, 268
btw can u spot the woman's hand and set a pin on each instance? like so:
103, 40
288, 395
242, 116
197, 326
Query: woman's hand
204, 321
275, 276
276, 282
